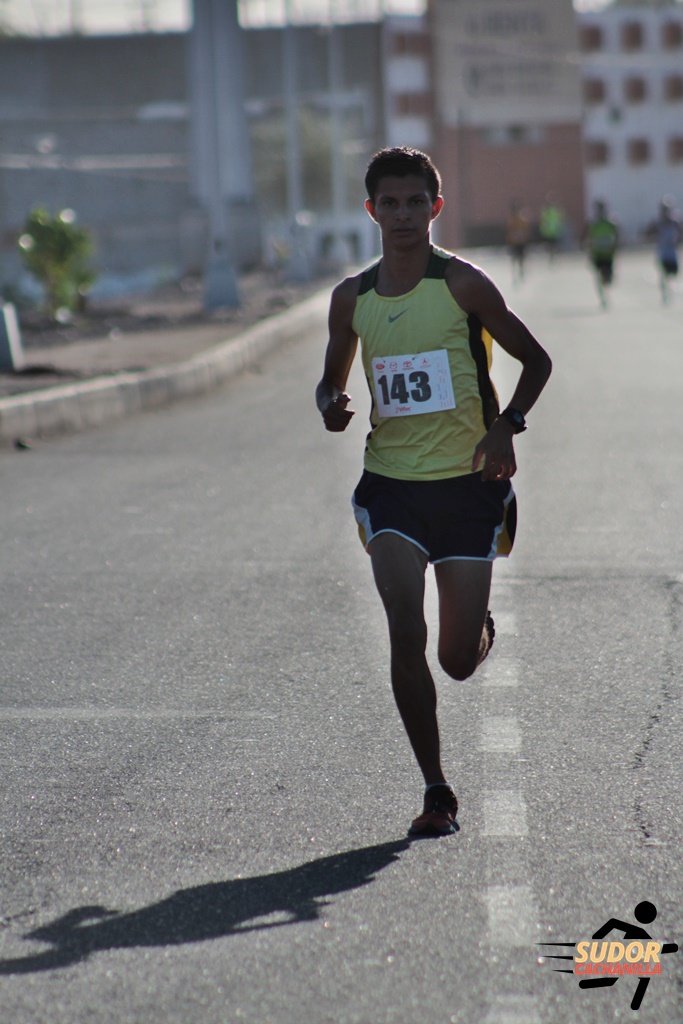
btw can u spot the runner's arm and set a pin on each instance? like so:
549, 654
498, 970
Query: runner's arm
330, 397
476, 294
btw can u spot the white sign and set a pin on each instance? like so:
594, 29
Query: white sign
412, 385
506, 62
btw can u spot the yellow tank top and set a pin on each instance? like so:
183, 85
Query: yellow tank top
430, 445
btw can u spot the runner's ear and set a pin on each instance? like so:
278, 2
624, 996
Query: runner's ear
437, 207
370, 207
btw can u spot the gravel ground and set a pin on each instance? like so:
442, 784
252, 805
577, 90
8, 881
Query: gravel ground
143, 332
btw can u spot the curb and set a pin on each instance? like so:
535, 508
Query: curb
68, 408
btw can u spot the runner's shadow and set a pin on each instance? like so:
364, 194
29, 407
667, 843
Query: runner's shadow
210, 911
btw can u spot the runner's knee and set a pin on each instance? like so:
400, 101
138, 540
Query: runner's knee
459, 663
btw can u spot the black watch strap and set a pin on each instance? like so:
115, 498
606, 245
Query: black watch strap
515, 418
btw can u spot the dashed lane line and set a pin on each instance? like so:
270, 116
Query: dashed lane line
505, 813
501, 733
512, 916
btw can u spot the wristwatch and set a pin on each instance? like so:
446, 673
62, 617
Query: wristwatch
515, 419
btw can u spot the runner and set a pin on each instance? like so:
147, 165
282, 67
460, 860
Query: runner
551, 227
602, 238
666, 231
439, 456
517, 236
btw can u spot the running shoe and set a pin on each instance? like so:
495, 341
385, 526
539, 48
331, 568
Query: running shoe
490, 631
438, 814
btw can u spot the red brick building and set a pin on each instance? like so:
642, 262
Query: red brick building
507, 98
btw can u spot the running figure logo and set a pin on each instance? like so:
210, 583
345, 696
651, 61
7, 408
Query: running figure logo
606, 962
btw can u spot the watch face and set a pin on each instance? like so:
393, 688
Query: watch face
515, 417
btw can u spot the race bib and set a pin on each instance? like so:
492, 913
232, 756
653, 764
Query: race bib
411, 385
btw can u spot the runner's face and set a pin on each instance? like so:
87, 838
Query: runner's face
404, 210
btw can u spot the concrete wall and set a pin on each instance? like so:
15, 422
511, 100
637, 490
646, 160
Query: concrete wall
98, 124
101, 125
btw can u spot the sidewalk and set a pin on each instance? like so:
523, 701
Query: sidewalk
176, 351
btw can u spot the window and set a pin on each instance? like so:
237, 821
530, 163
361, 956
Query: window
638, 151
631, 36
635, 89
675, 150
673, 88
410, 44
411, 104
590, 38
514, 135
672, 35
597, 153
594, 91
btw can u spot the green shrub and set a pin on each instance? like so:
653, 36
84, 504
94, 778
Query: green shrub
58, 253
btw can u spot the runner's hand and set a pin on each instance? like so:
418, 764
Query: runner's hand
336, 416
495, 453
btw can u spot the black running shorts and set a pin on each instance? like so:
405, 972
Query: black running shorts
460, 517
605, 268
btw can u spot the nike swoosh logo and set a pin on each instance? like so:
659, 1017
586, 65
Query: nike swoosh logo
392, 319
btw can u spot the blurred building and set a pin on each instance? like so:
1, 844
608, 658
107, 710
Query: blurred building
408, 75
101, 124
632, 70
97, 124
514, 101
508, 112
316, 110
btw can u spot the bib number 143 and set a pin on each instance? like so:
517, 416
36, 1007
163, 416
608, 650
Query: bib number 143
411, 385
422, 392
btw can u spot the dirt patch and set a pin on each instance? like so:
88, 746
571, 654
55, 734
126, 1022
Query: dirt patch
146, 331
173, 306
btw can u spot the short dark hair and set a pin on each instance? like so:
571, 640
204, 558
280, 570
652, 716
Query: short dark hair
399, 162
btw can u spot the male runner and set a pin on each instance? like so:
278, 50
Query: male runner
602, 238
438, 459
551, 226
517, 236
668, 234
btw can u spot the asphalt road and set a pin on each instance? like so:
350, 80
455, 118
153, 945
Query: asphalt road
205, 785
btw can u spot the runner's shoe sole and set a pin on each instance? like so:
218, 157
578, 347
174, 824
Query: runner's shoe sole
438, 814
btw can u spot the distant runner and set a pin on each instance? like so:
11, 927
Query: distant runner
602, 238
666, 231
518, 236
551, 227
439, 456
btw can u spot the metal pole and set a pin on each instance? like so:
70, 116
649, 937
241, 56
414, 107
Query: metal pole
340, 247
221, 157
298, 261
293, 146
11, 348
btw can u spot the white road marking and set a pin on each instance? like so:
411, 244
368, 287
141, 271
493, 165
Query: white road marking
511, 916
505, 814
500, 733
502, 672
513, 1010
511, 910
505, 623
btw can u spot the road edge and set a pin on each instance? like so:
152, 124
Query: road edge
69, 408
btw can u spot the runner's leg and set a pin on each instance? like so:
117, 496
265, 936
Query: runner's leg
464, 587
663, 283
399, 568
